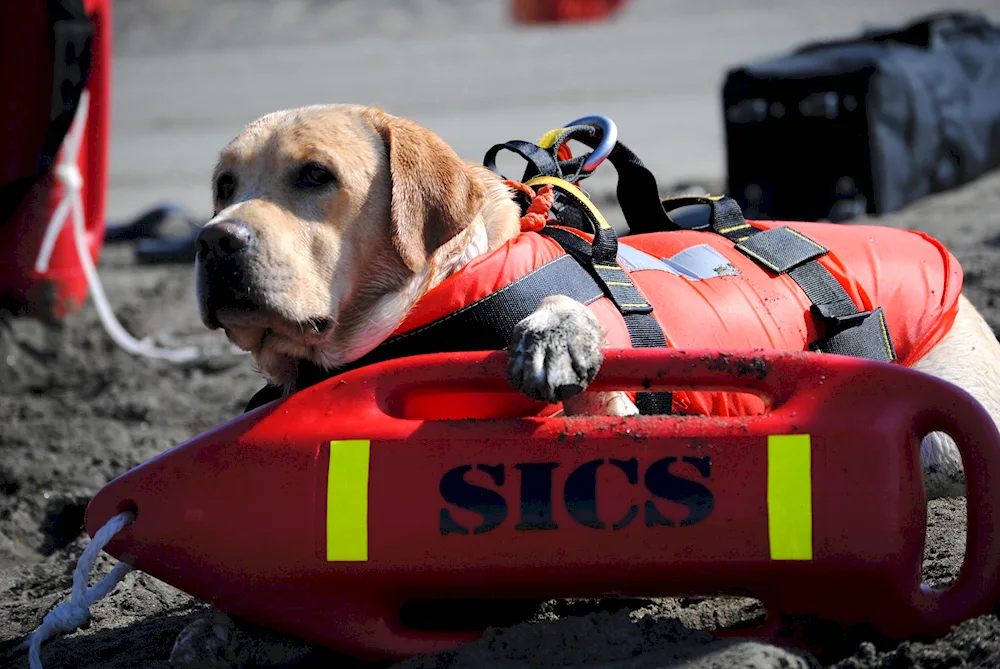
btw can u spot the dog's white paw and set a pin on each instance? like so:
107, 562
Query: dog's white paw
943, 472
556, 351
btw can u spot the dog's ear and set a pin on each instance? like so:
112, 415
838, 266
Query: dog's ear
434, 193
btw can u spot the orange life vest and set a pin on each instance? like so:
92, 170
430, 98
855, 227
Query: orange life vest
679, 280
739, 303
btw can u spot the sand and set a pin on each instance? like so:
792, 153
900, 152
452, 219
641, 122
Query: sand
76, 411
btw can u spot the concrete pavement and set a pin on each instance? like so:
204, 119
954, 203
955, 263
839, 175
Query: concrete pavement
657, 69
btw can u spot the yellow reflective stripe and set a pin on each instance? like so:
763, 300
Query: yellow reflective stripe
575, 192
347, 501
763, 261
789, 496
696, 199
806, 239
732, 228
885, 333
549, 138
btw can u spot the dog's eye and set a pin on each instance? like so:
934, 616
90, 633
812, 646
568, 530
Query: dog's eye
225, 186
313, 175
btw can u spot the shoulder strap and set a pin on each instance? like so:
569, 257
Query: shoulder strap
600, 258
638, 192
540, 161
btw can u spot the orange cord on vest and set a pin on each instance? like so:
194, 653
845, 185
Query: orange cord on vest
538, 211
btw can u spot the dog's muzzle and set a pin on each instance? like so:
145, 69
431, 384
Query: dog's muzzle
222, 273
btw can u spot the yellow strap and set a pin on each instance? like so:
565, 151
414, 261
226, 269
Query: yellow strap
694, 198
789, 496
347, 501
575, 192
549, 138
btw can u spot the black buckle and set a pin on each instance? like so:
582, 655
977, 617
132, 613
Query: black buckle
838, 322
861, 335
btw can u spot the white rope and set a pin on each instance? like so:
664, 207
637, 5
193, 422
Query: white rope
67, 172
69, 616
107, 316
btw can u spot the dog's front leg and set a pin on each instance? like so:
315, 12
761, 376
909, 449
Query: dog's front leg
556, 352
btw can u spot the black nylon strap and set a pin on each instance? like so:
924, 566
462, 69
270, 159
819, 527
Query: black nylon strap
540, 161
830, 300
638, 192
626, 297
614, 280
862, 336
724, 215
584, 254
605, 247
643, 329
785, 251
487, 323
728, 221
570, 214
645, 332
780, 249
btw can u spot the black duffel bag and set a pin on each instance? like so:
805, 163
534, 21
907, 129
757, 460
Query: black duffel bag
869, 124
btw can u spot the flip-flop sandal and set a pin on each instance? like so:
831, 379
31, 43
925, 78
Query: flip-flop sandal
146, 224
176, 250
146, 230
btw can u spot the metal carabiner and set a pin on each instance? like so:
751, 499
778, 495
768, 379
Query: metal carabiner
609, 137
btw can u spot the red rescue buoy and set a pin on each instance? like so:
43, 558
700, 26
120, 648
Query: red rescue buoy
324, 514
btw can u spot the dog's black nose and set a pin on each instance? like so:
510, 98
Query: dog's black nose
223, 239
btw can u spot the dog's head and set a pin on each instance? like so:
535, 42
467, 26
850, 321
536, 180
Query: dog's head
329, 223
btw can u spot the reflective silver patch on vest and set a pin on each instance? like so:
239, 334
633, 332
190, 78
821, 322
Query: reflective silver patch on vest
694, 264
634, 260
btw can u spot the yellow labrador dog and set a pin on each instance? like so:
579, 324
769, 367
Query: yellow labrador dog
331, 221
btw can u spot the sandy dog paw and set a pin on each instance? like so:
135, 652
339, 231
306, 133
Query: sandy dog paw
556, 351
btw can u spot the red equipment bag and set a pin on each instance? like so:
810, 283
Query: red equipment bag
563, 11
323, 514
57, 58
